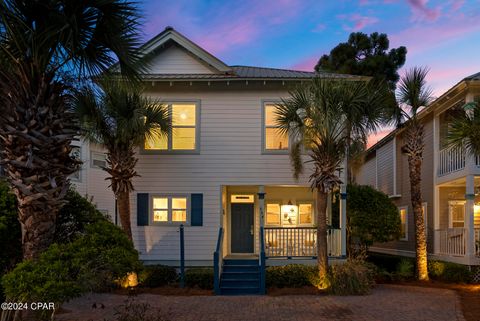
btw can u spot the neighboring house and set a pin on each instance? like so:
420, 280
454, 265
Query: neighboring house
450, 182
224, 164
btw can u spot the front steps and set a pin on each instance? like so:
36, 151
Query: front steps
240, 277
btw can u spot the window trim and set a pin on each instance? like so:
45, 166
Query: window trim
263, 130
313, 213
450, 218
406, 222
169, 197
92, 153
169, 149
279, 203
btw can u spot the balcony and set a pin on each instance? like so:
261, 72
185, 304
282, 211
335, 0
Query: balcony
452, 159
299, 242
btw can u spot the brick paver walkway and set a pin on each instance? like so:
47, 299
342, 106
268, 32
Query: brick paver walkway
387, 302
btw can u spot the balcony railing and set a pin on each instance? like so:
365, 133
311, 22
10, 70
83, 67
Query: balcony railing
451, 159
299, 242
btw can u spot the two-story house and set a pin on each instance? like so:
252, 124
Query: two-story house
224, 165
450, 182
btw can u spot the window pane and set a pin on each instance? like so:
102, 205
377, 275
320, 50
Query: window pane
160, 216
157, 143
183, 115
179, 203
270, 116
179, 216
183, 138
403, 219
275, 140
273, 214
305, 211
160, 203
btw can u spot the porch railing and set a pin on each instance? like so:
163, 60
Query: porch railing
218, 262
451, 159
477, 241
299, 242
452, 241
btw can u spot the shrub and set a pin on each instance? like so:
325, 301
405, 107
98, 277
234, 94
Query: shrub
372, 216
10, 231
291, 276
74, 217
386, 262
405, 269
354, 277
449, 272
157, 275
64, 271
199, 277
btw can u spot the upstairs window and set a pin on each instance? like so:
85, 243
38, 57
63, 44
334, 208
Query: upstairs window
183, 135
274, 139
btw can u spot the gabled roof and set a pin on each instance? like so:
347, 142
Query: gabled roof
170, 34
473, 77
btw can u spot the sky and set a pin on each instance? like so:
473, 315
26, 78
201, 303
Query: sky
293, 34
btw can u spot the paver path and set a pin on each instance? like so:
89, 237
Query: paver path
387, 302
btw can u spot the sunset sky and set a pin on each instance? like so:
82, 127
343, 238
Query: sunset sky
442, 35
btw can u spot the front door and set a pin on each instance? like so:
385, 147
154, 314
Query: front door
241, 227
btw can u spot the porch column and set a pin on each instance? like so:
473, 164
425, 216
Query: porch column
343, 209
469, 224
261, 204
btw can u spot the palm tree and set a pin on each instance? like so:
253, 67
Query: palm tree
46, 47
315, 116
120, 118
464, 131
413, 94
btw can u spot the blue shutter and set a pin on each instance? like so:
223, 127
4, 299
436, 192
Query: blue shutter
142, 209
196, 209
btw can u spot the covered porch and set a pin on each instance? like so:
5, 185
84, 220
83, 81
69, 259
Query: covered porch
283, 218
457, 237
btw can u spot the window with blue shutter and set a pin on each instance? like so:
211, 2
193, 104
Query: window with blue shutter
196, 209
142, 209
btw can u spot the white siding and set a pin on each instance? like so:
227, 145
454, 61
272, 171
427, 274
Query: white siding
230, 154
385, 168
92, 183
174, 60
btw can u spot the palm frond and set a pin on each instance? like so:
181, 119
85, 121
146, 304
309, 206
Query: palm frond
413, 90
464, 131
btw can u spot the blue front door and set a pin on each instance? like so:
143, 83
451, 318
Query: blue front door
241, 227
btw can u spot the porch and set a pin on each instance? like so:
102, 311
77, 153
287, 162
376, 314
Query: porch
457, 233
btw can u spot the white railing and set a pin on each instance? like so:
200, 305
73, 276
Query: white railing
452, 241
451, 159
299, 242
477, 241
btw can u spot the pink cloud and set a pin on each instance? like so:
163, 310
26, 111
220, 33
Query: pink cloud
359, 21
422, 11
307, 64
376, 137
457, 4
319, 28
427, 37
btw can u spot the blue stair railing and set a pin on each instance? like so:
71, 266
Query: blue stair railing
262, 261
218, 262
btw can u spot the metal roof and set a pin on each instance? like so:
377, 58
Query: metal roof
473, 77
249, 72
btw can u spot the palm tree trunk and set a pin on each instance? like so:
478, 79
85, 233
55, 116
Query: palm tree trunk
36, 130
322, 255
414, 149
123, 199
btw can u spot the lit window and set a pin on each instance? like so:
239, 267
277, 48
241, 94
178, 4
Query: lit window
273, 214
274, 138
166, 209
305, 212
457, 213
183, 135
403, 223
